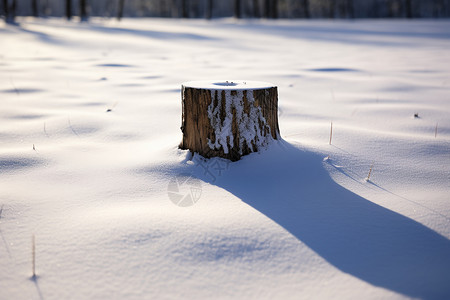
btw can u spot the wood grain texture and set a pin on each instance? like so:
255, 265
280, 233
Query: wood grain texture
228, 123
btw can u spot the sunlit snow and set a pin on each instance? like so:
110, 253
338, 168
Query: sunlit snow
89, 164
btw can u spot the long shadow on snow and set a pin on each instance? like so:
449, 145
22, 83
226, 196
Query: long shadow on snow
163, 35
354, 32
43, 37
361, 238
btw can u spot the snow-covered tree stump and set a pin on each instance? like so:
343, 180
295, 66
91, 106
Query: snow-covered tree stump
228, 119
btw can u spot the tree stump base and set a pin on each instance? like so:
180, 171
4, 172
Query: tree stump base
228, 119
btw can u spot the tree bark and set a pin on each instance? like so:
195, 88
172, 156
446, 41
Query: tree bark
225, 119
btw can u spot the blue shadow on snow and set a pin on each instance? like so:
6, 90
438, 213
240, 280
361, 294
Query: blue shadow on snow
357, 236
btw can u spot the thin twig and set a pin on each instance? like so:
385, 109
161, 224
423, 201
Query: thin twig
1, 233
71, 128
45, 130
14, 86
6, 244
111, 108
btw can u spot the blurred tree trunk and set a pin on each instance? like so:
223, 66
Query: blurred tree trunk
255, 8
46, 9
69, 9
332, 9
266, 9
83, 11
5, 9
10, 11
162, 11
120, 10
271, 9
351, 9
194, 7
109, 9
184, 9
34, 8
439, 9
274, 9
394, 8
408, 8
390, 5
307, 13
174, 9
344, 9
209, 8
237, 9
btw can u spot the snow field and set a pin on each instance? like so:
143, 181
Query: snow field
284, 223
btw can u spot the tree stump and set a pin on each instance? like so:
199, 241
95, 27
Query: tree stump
228, 119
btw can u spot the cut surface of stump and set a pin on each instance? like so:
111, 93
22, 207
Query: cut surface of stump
228, 119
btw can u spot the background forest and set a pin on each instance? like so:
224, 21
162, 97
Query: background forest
236, 8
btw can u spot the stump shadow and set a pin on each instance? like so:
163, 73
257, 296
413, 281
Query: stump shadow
357, 236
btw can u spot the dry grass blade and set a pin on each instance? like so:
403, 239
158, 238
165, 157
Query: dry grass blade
33, 255
331, 132
370, 172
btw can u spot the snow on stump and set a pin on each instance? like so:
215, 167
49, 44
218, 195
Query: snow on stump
228, 119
